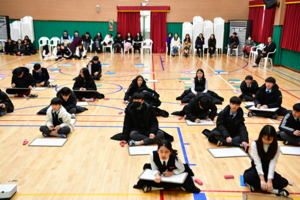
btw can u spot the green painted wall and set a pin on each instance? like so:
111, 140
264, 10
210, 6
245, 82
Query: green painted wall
175, 28
276, 39
226, 36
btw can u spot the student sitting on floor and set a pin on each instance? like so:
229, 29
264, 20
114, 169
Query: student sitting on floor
96, 68
231, 129
46, 55
29, 48
66, 52
86, 82
136, 83
9, 47
57, 52
249, 87
19, 48
290, 127
41, 76
165, 162
58, 120
68, 99
80, 52
265, 152
201, 107
140, 123
21, 79
6, 106
268, 96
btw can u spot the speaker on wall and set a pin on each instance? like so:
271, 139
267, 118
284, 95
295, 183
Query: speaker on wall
270, 3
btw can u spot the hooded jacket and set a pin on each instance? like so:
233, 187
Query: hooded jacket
249, 91
4, 99
275, 99
232, 40
63, 116
25, 81
199, 42
70, 103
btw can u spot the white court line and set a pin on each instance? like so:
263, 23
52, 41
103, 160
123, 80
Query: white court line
12, 61
218, 75
273, 122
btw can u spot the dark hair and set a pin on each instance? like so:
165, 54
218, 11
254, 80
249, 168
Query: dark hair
234, 33
65, 91
36, 66
214, 37
134, 84
19, 40
202, 36
58, 45
168, 145
80, 49
110, 35
203, 77
169, 34
270, 79
56, 101
118, 33
138, 33
176, 34
76, 32
187, 39
270, 37
127, 35
249, 77
87, 33
9, 39
18, 71
138, 95
269, 131
46, 48
235, 100
296, 107
204, 102
96, 58
86, 73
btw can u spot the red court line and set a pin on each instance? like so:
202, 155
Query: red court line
161, 195
153, 73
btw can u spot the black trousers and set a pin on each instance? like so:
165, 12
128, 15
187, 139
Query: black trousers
251, 178
20, 92
211, 51
46, 82
236, 140
259, 56
169, 49
140, 135
246, 97
88, 95
137, 46
200, 115
292, 139
79, 57
64, 130
11, 52
3, 109
95, 48
97, 77
281, 111
198, 50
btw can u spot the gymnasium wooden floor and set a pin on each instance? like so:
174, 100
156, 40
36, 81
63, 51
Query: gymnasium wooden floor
91, 166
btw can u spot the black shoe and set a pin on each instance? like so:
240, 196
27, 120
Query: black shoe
45, 135
250, 114
178, 98
285, 142
275, 116
283, 192
173, 55
255, 65
186, 55
198, 55
177, 113
168, 54
147, 188
33, 96
246, 149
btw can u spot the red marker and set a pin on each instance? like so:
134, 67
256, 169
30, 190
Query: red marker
106, 99
120, 113
228, 176
25, 142
198, 181
180, 118
122, 144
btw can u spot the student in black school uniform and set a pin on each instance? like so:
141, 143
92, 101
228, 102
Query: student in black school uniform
199, 44
6, 106
97, 46
9, 47
249, 87
80, 52
96, 68
231, 129
262, 176
118, 42
86, 40
19, 48
41, 76
268, 96
166, 162
86, 82
29, 47
57, 52
138, 42
66, 52
136, 83
140, 123
68, 99
290, 127
21, 79
28, 40
200, 107
269, 48
58, 121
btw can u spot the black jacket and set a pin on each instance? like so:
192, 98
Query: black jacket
289, 124
96, 38
89, 84
6, 101
211, 43
232, 40
9, 47
86, 38
70, 103
232, 127
130, 40
275, 100
118, 40
95, 67
25, 81
66, 52
131, 122
131, 90
20, 48
270, 48
199, 42
193, 109
45, 75
138, 40
249, 91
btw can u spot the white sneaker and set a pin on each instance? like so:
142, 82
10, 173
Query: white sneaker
73, 116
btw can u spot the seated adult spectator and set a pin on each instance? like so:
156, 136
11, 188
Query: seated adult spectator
9, 47
264, 53
249, 43
233, 42
199, 44
118, 42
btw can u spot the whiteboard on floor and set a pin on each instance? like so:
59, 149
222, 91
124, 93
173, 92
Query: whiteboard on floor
263, 109
236, 91
247, 196
290, 150
202, 123
177, 179
48, 142
235, 81
152, 81
227, 152
39, 88
1, 79
29, 65
190, 72
249, 103
73, 121
55, 71
51, 81
140, 66
83, 103
187, 82
141, 150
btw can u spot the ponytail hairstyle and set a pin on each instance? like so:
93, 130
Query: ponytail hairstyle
168, 145
268, 131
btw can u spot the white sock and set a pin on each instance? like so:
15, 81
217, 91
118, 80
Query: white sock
157, 188
274, 191
137, 143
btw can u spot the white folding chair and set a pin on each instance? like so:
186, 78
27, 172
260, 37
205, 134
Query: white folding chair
42, 42
3, 45
254, 53
266, 59
110, 46
235, 49
147, 44
132, 50
179, 53
53, 43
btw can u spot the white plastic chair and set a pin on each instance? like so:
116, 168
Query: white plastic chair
3, 44
42, 42
122, 48
147, 44
179, 52
254, 53
235, 49
53, 42
110, 46
266, 59
132, 50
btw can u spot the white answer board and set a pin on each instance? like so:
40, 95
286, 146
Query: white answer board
263, 109
55, 71
249, 103
178, 179
141, 150
192, 72
73, 121
51, 81
290, 150
83, 103
39, 88
48, 142
152, 81
227, 152
187, 82
236, 91
202, 123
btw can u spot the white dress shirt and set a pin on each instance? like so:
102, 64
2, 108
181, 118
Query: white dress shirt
257, 160
178, 163
193, 86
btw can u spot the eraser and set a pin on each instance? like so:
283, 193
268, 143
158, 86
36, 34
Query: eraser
106, 98
179, 81
120, 113
122, 144
25, 142
228, 176
124, 101
180, 118
182, 104
198, 181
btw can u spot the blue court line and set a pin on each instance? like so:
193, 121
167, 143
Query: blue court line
138, 64
54, 69
52, 64
186, 143
286, 75
199, 196
242, 181
192, 164
162, 64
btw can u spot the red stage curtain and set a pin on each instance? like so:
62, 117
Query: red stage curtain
268, 25
139, 8
129, 22
158, 31
291, 28
256, 15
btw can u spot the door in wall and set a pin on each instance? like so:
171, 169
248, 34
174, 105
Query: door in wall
145, 24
